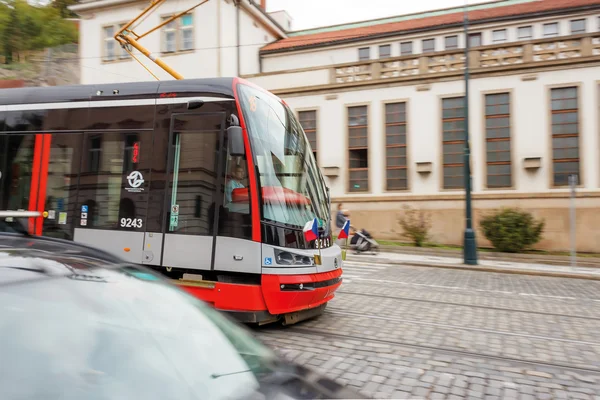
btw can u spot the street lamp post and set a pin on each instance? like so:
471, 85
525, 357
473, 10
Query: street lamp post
469, 243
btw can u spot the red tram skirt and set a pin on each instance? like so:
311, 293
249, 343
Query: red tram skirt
277, 297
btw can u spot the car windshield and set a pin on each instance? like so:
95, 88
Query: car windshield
115, 334
293, 191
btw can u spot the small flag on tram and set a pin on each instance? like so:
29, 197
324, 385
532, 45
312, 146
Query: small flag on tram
311, 230
345, 230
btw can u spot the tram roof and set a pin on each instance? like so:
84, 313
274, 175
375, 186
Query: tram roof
214, 87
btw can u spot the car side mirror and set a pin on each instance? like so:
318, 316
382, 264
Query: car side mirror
235, 139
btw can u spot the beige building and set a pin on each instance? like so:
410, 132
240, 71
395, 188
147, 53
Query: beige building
382, 102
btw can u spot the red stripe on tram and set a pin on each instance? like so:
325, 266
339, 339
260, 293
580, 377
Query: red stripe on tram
256, 236
43, 181
35, 179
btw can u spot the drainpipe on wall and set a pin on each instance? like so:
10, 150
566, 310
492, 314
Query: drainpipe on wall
219, 49
237, 20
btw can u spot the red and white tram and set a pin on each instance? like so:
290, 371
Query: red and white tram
209, 181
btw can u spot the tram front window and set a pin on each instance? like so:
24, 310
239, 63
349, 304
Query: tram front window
293, 191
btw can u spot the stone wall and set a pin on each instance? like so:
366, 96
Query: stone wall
51, 67
447, 216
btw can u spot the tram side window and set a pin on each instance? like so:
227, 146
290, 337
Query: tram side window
60, 189
234, 215
113, 183
193, 182
17, 166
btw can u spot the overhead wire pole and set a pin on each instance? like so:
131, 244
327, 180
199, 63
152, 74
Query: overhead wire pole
469, 243
128, 39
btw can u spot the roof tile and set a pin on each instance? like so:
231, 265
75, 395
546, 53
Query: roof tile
324, 38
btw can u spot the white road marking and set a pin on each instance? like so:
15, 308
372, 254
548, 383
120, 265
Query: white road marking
356, 270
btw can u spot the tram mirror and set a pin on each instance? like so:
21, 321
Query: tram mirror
236, 141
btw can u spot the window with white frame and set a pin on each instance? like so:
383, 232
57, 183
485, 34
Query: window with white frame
551, 29
178, 35
499, 36
385, 51
428, 45
525, 32
451, 42
475, 39
112, 49
578, 26
364, 53
110, 44
406, 48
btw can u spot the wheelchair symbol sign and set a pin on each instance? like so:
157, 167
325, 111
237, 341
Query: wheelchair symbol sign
268, 261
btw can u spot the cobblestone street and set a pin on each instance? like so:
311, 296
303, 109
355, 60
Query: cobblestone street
415, 332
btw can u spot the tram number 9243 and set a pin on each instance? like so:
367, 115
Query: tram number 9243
131, 222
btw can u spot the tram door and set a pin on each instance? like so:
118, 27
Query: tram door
192, 194
38, 172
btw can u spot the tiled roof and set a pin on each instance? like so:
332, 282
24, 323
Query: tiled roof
332, 37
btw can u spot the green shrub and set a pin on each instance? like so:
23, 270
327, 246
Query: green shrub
415, 225
511, 230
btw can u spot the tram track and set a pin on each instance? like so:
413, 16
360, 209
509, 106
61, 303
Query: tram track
429, 286
449, 351
338, 311
400, 298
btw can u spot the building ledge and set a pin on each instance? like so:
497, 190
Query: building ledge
427, 68
559, 193
95, 4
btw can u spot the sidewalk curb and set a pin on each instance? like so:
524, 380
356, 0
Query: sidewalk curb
587, 262
464, 267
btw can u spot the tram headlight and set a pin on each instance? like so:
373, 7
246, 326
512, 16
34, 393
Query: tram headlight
286, 258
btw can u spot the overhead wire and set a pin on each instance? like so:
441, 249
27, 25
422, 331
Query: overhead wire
192, 49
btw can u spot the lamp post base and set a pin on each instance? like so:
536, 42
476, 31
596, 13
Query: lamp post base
470, 247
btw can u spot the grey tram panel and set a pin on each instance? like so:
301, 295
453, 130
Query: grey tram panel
152, 248
237, 255
114, 242
188, 251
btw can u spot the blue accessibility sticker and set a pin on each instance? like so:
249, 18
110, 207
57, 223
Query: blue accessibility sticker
268, 261
84, 208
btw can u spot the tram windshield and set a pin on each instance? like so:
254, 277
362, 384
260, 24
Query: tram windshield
293, 191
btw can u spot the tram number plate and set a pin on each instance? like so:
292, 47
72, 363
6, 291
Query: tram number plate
323, 243
131, 222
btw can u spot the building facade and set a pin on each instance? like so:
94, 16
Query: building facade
216, 39
383, 105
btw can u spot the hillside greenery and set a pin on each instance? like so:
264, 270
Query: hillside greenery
30, 26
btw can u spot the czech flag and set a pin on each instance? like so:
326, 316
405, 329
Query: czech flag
311, 230
345, 230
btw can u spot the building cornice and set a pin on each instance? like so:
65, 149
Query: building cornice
526, 57
258, 13
473, 23
94, 5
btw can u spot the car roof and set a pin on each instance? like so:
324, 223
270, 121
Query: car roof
24, 257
